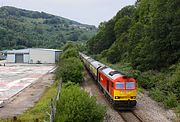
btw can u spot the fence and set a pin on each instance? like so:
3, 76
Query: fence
52, 108
54, 103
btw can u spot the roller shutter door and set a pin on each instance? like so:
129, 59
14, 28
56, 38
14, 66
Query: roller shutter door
19, 58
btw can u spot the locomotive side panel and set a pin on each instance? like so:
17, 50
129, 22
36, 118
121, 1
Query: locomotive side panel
106, 83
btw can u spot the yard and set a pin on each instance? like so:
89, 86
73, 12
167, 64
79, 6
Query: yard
21, 85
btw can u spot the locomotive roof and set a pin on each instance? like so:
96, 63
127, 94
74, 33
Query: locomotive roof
97, 64
90, 59
113, 74
85, 56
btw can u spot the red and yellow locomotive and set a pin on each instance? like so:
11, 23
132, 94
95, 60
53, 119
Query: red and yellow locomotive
120, 89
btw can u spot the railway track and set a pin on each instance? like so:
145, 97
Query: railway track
130, 116
127, 116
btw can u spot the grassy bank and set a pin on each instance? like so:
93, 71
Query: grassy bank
40, 108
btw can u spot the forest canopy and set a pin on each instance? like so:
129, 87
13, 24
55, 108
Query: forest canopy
145, 34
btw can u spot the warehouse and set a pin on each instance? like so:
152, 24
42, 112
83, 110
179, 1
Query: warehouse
33, 56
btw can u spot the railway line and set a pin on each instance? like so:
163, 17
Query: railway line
130, 116
120, 92
123, 116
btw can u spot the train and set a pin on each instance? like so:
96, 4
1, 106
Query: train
119, 89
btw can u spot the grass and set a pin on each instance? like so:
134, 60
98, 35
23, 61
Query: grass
140, 89
40, 108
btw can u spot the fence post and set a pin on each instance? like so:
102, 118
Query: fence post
59, 90
54, 103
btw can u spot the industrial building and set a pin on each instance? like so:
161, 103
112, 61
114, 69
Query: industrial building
33, 56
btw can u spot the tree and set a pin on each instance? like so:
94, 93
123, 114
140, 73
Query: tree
76, 105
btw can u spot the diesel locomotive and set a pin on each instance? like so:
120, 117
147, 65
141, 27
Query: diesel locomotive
117, 87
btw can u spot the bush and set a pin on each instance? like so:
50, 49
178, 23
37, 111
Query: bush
157, 95
71, 52
171, 100
76, 105
70, 66
71, 70
147, 80
174, 81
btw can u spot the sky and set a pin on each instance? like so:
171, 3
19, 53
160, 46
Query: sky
90, 12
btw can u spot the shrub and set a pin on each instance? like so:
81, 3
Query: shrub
76, 105
68, 45
171, 100
71, 52
157, 95
146, 80
174, 81
71, 70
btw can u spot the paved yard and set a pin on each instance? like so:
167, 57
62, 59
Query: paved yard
15, 77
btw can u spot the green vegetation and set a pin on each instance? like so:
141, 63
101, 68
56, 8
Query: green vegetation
76, 105
71, 70
146, 35
143, 41
21, 29
40, 108
70, 66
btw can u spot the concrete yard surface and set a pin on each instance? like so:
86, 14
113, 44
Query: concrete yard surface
14, 78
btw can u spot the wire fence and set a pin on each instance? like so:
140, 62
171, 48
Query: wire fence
54, 103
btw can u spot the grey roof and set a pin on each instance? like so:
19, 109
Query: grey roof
111, 73
45, 49
97, 64
90, 60
107, 72
28, 50
18, 51
84, 56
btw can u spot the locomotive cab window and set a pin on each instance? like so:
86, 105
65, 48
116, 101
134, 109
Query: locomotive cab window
130, 85
120, 85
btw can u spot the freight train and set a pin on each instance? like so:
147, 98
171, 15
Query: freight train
117, 87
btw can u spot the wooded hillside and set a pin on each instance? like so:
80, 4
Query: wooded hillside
22, 28
143, 41
146, 34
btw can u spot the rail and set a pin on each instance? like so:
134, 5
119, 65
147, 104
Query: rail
127, 116
130, 116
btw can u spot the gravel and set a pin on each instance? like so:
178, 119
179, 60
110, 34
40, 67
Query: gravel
147, 109
90, 86
151, 111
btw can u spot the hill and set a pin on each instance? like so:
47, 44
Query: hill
143, 40
146, 34
22, 28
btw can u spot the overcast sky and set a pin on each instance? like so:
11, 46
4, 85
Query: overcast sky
84, 11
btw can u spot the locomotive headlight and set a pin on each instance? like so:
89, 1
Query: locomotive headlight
133, 97
117, 97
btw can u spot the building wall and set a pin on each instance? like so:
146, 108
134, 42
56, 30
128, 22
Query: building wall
41, 56
10, 58
57, 55
26, 58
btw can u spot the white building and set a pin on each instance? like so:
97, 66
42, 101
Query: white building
33, 55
